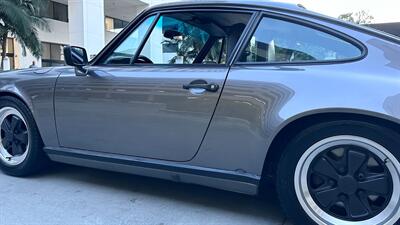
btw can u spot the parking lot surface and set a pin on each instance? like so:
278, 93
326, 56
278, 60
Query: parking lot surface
80, 196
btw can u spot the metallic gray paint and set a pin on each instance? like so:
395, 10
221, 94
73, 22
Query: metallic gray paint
139, 110
35, 87
249, 3
256, 103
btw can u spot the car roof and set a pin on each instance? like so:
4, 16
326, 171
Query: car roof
251, 3
280, 6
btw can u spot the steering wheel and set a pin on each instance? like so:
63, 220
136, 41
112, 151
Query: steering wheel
143, 59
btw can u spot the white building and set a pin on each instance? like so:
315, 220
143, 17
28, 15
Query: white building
87, 23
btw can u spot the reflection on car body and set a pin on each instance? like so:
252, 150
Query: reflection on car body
230, 95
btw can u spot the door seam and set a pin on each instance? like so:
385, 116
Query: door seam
212, 116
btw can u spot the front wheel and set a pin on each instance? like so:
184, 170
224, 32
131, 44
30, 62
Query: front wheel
342, 172
21, 146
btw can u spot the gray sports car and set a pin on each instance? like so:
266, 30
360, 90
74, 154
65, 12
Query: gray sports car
232, 95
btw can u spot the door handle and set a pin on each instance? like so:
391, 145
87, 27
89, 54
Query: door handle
201, 84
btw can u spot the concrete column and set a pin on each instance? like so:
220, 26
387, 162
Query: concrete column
86, 24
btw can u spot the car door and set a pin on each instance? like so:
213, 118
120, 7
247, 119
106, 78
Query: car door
154, 94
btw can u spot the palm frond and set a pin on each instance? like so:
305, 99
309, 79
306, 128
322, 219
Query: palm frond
23, 19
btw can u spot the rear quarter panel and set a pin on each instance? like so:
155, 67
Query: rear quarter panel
260, 100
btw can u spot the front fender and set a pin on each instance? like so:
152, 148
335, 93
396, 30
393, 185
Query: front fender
35, 87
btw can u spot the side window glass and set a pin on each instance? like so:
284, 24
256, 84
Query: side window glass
174, 42
193, 38
125, 52
280, 41
217, 54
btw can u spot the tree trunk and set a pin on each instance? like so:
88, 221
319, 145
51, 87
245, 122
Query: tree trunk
3, 49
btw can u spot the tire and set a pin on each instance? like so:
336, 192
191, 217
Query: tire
342, 172
29, 158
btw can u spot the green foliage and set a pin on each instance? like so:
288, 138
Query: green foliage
22, 18
361, 17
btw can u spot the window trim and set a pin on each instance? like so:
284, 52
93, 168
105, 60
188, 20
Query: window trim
108, 50
306, 23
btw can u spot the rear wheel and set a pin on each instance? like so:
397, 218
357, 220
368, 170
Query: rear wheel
341, 173
20, 143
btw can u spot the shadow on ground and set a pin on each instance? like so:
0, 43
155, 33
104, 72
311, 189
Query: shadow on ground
75, 195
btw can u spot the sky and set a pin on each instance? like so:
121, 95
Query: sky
382, 10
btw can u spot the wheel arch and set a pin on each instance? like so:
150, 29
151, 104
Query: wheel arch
17, 96
20, 98
300, 122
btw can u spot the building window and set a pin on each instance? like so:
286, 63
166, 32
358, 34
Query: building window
113, 24
10, 52
52, 54
109, 24
56, 11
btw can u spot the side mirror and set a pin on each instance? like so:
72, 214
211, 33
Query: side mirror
77, 57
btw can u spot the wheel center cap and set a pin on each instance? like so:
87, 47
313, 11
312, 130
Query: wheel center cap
348, 185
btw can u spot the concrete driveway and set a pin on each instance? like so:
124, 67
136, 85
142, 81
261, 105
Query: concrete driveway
79, 196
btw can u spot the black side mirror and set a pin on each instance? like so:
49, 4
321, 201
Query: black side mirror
77, 57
